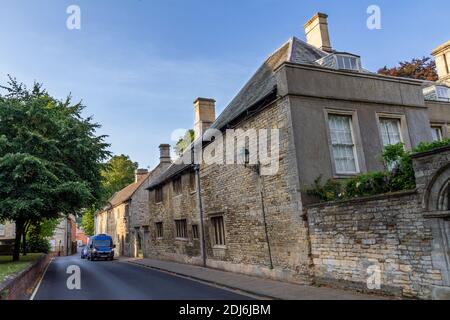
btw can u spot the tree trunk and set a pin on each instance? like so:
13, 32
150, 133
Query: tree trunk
24, 237
19, 231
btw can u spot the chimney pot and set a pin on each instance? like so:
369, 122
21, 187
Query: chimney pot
205, 115
164, 153
139, 174
316, 30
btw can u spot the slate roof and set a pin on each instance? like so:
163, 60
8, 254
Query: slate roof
263, 81
261, 85
172, 171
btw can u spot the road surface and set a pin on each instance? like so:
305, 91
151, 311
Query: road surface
118, 280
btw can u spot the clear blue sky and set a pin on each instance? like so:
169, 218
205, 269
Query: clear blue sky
139, 64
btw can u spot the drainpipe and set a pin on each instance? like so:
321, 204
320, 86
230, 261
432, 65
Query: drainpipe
261, 193
200, 208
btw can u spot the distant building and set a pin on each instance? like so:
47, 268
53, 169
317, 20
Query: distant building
82, 239
63, 241
7, 231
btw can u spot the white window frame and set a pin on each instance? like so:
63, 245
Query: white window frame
349, 62
404, 133
2, 230
443, 93
438, 128
351, 115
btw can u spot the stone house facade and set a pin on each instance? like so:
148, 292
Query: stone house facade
332, 118
63, 241
7, 230
113, 219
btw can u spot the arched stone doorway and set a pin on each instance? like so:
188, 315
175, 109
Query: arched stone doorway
437, 205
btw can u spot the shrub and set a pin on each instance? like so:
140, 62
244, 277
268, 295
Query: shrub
427, 146
399, 175
331, 190
38, 244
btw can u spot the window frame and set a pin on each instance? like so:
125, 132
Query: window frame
177, 186
181, 229
159, 230
2, 230
195, 232
192, 181
403, 129
352, 60
440, 131
218, 237
445, 90
356, 136
159, 194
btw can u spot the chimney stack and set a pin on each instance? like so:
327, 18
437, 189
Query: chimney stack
139, 174
316, 30
205, 115
164, 153
442, 56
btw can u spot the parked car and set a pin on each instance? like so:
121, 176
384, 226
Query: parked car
100, 247
84, 252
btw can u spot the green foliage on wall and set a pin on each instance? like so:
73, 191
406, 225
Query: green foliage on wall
398, 176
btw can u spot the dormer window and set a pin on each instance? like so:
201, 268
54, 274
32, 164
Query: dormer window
442, 93
437, 93
348, 62
343, 61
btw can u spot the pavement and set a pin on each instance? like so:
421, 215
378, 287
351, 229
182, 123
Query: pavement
260, 287
119, 280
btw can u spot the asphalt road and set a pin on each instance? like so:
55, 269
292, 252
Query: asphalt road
118, 280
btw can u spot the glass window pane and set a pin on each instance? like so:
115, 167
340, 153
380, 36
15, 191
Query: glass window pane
436, 133
342, 143
390, 131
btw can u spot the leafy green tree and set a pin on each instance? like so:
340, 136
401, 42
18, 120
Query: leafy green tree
117, 174
38, 234
184, 142
50, 157
87, 222
424, 69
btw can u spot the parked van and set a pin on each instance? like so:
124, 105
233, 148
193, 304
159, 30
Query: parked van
101, 247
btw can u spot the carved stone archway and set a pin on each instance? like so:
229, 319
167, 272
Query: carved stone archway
437, 205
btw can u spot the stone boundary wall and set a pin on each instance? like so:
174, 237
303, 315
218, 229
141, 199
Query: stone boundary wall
352, 242
20, 287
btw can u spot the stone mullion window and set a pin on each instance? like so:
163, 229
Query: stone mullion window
181, 228
219, 231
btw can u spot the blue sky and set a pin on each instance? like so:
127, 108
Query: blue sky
139, 64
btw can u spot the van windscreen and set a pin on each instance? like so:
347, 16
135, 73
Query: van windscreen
102, 243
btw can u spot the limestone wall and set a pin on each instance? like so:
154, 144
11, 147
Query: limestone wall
233, 192
403, 237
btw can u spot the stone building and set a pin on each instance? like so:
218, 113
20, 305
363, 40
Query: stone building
113, 219
125, 218
325, 115
334, 119
63, 241
7, 231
